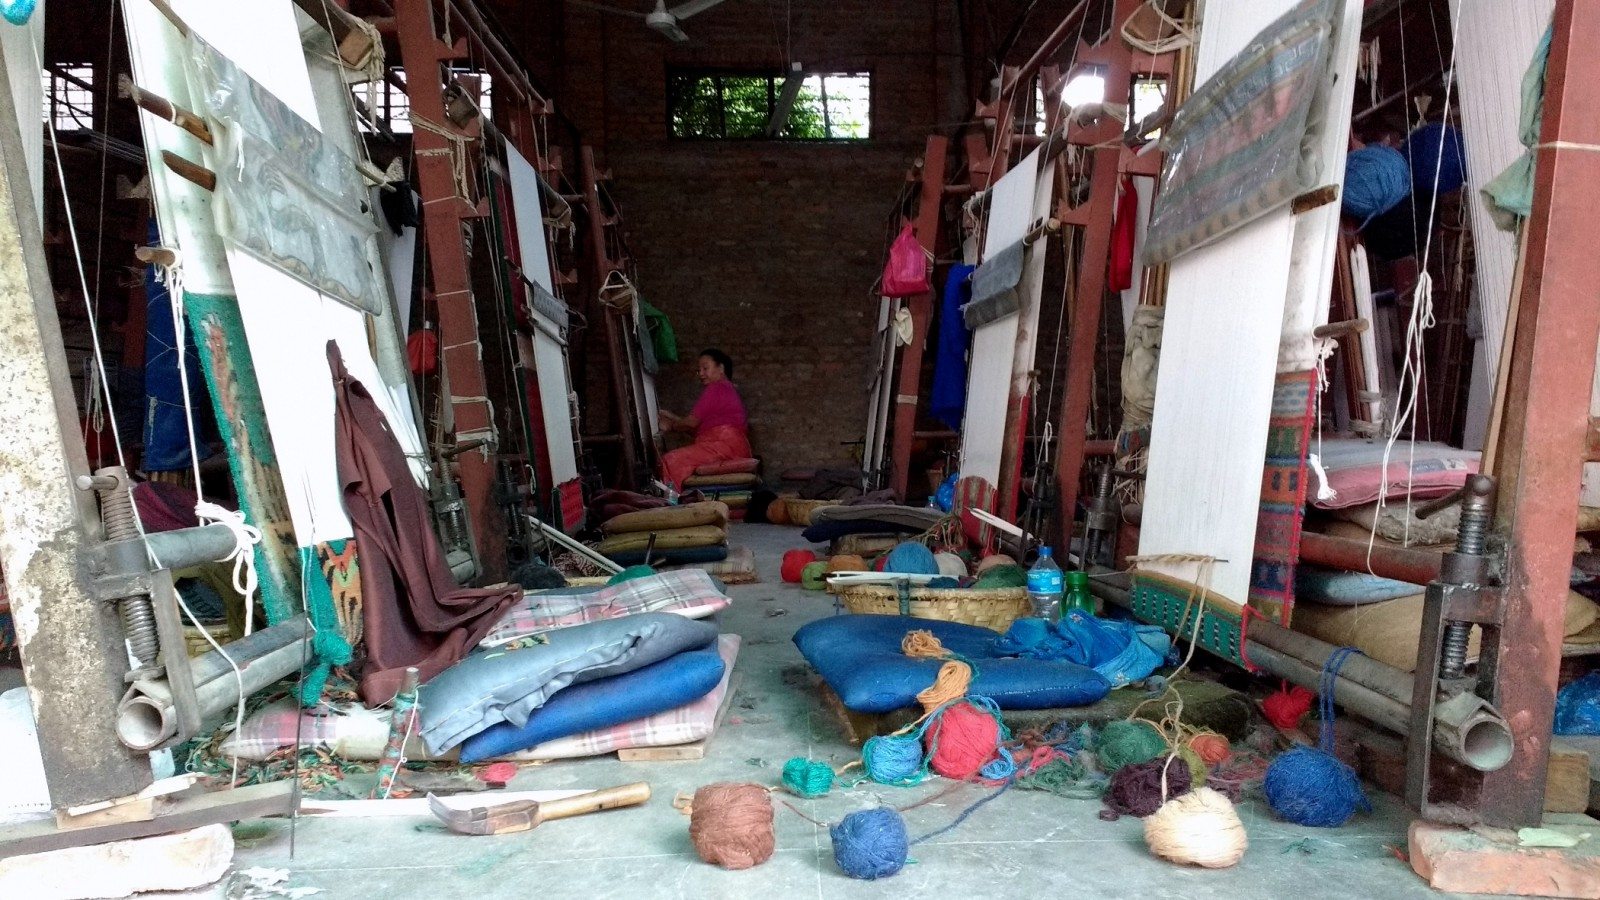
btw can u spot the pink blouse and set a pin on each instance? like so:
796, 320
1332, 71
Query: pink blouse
719, 405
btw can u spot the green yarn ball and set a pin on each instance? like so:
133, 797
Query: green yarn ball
1003, 577
807, 778
1197, 766
814, 577
1124, 743
630, 573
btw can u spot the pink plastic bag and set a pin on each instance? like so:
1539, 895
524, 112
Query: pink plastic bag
906, 275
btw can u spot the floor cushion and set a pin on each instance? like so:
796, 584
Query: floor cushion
1357, 474
351, 731
692, 594
691, 515
507, 683
660, 686
666, 539
1390, 631
859, 657
1338, 588
681, 556
731, 479
738, 568
729, 467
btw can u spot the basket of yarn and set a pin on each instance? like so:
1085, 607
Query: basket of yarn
994, 608
799, 511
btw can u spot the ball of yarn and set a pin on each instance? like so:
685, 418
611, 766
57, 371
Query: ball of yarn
794, 563
911, 558
730, 824
1434, 151
807, 778
1006, 576
846, 562
1139, 789
1376, 179
1287, 707
893, 759
950, 565
881, 563
814, 577
961, 741
992, 560
1124, 743
1201, 828
1196, 766
943, 581
630, 573
1212, 748
870, 843
1307, 786
778, 512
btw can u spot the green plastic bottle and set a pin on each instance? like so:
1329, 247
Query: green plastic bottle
1077, 594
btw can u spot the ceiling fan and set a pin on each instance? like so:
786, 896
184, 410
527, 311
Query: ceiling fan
666, 20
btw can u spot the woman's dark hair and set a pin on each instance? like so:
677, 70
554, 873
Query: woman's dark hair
721, 359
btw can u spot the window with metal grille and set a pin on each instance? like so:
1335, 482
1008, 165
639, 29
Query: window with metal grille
744, 105
69, 96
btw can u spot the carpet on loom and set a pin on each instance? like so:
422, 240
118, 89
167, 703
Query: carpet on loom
1283, 495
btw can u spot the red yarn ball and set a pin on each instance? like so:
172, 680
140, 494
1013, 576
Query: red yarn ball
1287, 707
881, 563
795, 561
962, 741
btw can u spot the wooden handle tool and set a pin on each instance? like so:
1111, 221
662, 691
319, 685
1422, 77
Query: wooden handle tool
523, 815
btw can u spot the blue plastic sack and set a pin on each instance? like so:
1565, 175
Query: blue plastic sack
1578, 706
1123, 652
945, 497
665, 685
859, 657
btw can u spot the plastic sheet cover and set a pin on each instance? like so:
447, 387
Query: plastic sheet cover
1238, 147
287, 195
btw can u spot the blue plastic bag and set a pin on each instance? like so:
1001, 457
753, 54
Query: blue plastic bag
1578, 706
945, 496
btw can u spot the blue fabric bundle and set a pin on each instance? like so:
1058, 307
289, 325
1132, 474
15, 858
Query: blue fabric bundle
1428, 159
656, 688
1376, 179
1122, 652
859, 657
948, 398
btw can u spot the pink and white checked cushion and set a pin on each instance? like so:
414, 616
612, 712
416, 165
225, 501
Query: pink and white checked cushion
690, 593
351, 731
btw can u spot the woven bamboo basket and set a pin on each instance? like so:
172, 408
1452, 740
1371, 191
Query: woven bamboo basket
196, 642
800, 510
994, 608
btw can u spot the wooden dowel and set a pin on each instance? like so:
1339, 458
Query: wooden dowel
177, 22
194, 172
157, 105
1341, 329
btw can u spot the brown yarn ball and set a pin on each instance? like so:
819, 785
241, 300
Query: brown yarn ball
989, 562
730, 824
847, 562
1137, 789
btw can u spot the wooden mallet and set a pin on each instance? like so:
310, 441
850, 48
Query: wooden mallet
523, 815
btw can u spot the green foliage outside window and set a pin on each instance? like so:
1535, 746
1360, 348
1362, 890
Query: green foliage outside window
737, 106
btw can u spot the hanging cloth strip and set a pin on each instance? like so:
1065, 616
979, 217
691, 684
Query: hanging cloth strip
996, 287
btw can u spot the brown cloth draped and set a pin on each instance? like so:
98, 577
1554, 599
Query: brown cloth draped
413, 611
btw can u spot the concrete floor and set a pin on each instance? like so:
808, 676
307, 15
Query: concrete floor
1023, 844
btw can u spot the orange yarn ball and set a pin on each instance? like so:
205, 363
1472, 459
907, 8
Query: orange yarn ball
778, 512
1212, 748
846, 562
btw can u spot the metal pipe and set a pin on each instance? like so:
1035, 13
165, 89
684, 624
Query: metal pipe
1399, 563
1466, 729
1051, 44
191, 546
245, 651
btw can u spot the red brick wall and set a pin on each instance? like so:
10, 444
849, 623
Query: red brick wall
766, 249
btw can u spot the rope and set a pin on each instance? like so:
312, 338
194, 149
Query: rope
457, 150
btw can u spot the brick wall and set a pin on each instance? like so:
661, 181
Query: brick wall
766, 249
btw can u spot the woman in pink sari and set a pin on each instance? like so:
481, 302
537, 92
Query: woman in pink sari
717, 422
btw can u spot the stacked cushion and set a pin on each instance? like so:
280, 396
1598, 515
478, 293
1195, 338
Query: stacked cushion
691, 533
746, 480
730, 467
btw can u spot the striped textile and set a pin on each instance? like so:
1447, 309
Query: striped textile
688, 592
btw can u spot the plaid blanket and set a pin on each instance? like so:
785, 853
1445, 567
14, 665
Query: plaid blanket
351, 731
688, 592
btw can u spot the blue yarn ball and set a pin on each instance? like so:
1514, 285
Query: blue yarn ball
1427, 159
17, 12
1307, 786
893, 759
1376, 179
910, 558
870, 843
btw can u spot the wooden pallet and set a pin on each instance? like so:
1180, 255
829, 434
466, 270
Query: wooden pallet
695, 750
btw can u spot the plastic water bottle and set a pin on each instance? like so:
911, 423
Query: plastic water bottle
1078, 596
1045, 587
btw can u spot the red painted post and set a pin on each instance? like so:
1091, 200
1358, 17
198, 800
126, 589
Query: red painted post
604, 265
422, 52
921, 306
1546, 419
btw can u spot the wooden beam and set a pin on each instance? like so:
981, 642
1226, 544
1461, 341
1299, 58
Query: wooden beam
909, 393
